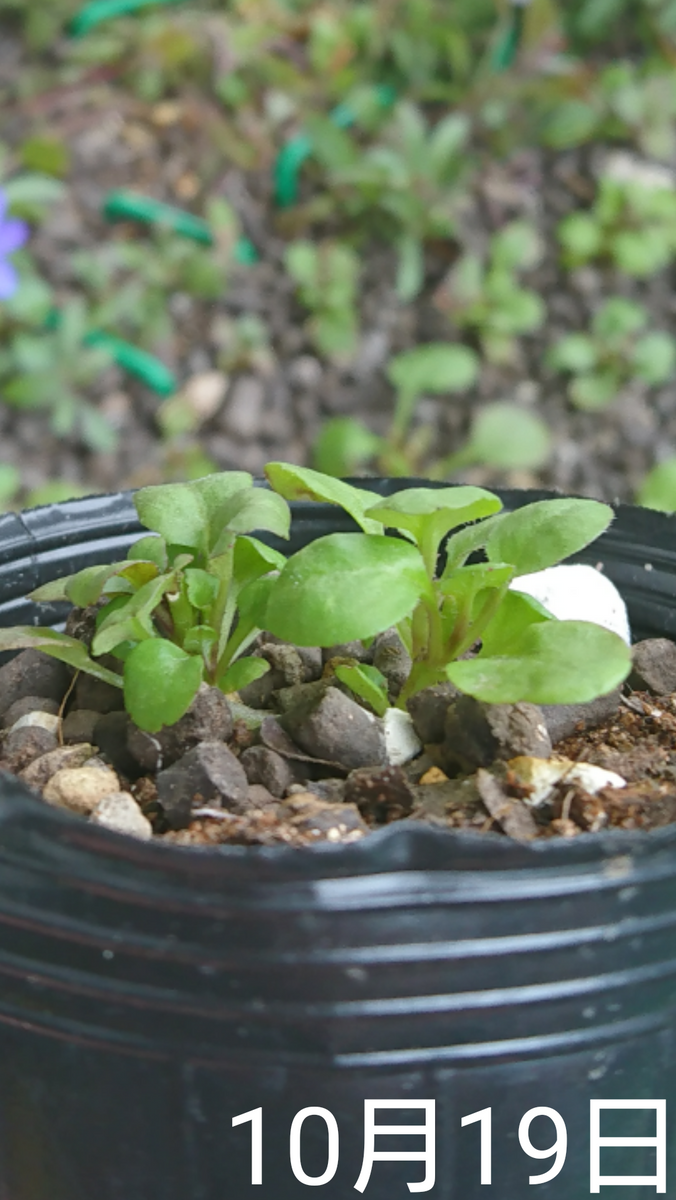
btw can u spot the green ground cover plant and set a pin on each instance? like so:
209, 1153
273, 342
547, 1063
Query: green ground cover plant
616, 350
403, 109
631, 225
192, 595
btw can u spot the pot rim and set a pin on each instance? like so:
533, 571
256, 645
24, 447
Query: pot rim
50, 529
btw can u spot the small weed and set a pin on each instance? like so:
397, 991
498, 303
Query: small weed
615, 351
631, 224
326, 277
484, 294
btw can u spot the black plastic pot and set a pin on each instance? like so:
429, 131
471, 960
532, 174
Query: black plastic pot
150, 994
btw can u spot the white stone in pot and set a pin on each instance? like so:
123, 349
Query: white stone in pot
575, 592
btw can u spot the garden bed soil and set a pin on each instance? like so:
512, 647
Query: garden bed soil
184, 152
312, 766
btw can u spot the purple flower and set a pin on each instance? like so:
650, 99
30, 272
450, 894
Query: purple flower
13, 234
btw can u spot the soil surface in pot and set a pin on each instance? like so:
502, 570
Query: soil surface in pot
295, 759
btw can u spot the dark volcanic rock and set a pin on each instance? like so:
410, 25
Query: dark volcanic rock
96, 694
334, 728
207, 774
564, 719
110, 735
393, 660
32, 673
428, 710
477, 734
264, 766
79, 725
654, 666
209, 719
23, 746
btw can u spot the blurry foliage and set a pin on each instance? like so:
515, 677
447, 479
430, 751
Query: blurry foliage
631, 224
326, 276
53, 370
484, 295
616, 350
264, 71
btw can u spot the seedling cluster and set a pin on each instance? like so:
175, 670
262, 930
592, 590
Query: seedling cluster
191, 596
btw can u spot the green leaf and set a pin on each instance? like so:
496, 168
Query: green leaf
367, 682
201, 639
521, 311
246, 511
177, 512
201, 587
594, 391
642, 253
429, 513
580, 236
86, 586
132, 620
241, 673
10, 482
508, 437
345, 586
151, 549
436, 367
571, 123
160, 683
410, 268
516, 247
343, 446
57, 645
302, 483
252, 559
29, 193
218, 491
552, 662
541, 534
618, 318
516, 614
658, 489
575, 353
654, 357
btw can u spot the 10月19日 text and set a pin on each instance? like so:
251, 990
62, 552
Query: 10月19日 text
379, 1122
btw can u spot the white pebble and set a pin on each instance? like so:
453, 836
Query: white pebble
119, 811
43, 720
574, 592
401, 741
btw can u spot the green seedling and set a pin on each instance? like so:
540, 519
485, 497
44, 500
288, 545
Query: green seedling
658, 489
616, 350
484, 294
128, 283
352, 585
189, 599
404, 186
437, 368
326, 277
52, 371
631, 225
168, 611
502, 435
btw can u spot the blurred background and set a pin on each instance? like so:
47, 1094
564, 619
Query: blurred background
402, 237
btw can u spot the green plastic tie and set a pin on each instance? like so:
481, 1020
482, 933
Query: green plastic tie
123, 205
137, 362
292, 156
507, 46
104, 10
